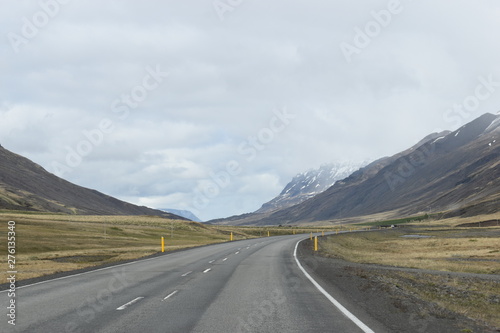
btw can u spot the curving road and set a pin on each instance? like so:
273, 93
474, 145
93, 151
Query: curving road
246, 286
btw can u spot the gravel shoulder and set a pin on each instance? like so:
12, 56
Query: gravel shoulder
393, 296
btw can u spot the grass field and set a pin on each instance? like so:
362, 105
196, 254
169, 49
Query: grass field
51, 243
427, 244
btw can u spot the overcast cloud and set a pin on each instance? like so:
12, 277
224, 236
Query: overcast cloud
213, 106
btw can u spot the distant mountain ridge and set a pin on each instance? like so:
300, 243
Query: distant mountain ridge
455, 172
25, 185
184, 213
308, 184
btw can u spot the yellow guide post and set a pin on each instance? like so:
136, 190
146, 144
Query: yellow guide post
268, 233
316, 243
231, 238
163, 244
311, 237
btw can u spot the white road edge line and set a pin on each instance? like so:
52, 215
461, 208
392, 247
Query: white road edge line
186, 274
170, 295
339, 306
207, 270
124, 306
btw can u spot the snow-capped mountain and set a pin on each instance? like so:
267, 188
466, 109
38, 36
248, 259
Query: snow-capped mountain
310, 183
454, 173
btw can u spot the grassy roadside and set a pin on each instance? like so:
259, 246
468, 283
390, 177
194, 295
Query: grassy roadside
470, 250
433, 245
51, 243
477, 299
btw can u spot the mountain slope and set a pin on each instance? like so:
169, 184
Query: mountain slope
25, 185
443, 172
458, 172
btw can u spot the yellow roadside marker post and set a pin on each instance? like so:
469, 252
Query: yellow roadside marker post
268, 233
316, 244
311, 237
231, 237
163, 244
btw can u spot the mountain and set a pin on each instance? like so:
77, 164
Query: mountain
27, 186
302, 187
308, 184
455, 172
184, 213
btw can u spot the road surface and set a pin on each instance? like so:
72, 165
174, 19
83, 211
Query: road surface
253, 285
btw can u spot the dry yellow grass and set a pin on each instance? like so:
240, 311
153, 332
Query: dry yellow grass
462, 250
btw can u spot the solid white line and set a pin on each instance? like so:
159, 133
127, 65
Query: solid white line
207, 270
339, 306
171, 294
186, 274
124, 306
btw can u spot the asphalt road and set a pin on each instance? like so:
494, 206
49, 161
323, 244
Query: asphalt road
246, 286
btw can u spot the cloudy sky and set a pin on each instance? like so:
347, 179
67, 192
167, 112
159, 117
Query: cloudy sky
213, 106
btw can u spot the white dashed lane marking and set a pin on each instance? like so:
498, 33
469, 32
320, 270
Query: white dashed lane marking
170, 295
124, 306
